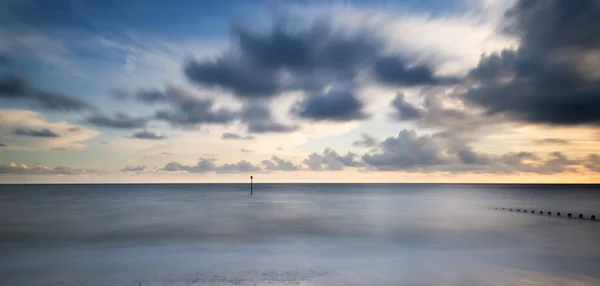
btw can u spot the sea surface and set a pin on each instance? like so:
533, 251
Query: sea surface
298, 234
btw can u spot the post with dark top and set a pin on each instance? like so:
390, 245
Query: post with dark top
251, 184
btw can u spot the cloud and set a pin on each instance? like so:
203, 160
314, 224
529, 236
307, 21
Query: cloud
119, 94
445, 153
239, 167
552, 77
592, 163
553, 141
151, 96
130, 169
366, 141
206, 166
3, 145
394, 70
330, 160
29, 130
270, 127
42, 133
405, 151
166, 153
263, 65
119, 121
278, 164
244, 150
310, 58
332, 106
234, 136
229, 74
257, 116
173, 167
149, 135
444, 111
187, 110
405, 110
23, 169
13, 87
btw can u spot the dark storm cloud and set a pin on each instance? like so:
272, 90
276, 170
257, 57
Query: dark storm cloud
309, 59
495, 66
12, 86
60, 102
365, 141
436, 113
553, 141
205, 166
119, 121
148, 135
332, 106
258, 118
278, 164
180, 108
405, 110
234, 75
553, 81
331, 160
405, 151
394, 70
235, 136
42, 133
17, 88
254, 65
187, 110
130, 169
447, 153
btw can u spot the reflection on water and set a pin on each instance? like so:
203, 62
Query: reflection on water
322, 234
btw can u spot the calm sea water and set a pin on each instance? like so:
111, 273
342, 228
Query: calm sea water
298, 234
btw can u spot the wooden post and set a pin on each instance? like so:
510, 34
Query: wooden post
251, 185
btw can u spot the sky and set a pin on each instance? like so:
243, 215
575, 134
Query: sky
466, 91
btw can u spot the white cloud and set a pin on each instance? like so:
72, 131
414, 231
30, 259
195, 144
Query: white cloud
69, 136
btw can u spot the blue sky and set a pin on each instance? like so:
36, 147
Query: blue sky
402, 91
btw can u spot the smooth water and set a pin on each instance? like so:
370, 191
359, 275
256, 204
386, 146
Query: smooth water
298, 234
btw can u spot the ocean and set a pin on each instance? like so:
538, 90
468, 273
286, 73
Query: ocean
298, 234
